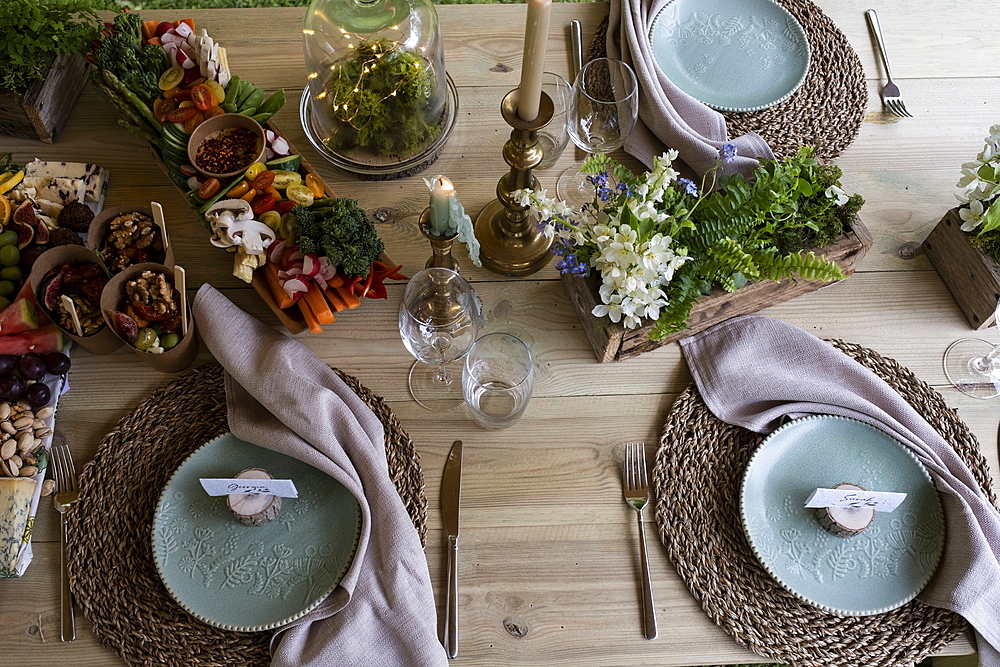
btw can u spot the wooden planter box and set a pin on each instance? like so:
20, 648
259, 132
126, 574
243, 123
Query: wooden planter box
972, 276
613, 342
42, 112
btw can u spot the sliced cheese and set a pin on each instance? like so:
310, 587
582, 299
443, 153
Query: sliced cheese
47, 207
92, 175
64, 190
16, 494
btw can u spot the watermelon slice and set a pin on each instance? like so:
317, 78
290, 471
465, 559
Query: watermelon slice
40, 341
18, 317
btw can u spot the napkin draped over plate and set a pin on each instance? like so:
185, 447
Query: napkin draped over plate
283, 397
753, 371
669, 117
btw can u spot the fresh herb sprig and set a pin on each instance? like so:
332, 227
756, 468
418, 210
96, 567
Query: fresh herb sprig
36, 31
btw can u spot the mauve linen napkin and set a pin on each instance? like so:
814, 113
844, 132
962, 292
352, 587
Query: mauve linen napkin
282, 396
669, 117
752, 371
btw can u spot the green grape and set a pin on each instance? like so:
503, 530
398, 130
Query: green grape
8, 237
4, 302
169, 341
7, 288
12, 273
9, 255
145, 339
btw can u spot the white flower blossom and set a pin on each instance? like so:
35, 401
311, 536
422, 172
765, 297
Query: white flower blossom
837, 194
972, 216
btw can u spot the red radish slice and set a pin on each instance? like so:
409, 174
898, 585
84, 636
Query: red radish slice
295, 287
193, 182
187, 170
184, 30
310, 265
275, 250
280, 146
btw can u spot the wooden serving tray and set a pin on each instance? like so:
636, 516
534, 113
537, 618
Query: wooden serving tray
613, 342
972, 276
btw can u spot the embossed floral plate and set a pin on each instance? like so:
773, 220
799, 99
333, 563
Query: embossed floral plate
246, 578
885, 566
733, 55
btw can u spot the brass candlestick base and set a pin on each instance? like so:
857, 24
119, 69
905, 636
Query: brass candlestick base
511, 243
440, 244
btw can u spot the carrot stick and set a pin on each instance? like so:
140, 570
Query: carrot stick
278, 292
346, 293
336, 281
149, 29
333, 296
310, 317
155, 40
317, 302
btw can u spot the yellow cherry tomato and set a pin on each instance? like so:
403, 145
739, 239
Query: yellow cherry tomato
300, 194
254, 170
273, 191
220, 92
271, 218
238, 190
171, 78
315, 185
249, 195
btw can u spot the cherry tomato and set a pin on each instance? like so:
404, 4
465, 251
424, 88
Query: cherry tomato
264, 180
190, 76
197, 82
182, 96
214, 111
185, 104
194, 121
262, 203
220, 92
170, 78
209, 189
273, 191
161, 108
202, 98
315, 185
249, 196
170, 92
238, 190
253, 171
284, 206
181, 115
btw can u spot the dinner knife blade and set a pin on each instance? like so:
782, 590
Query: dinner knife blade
451, 493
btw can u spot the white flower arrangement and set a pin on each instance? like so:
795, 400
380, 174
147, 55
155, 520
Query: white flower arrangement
980, 184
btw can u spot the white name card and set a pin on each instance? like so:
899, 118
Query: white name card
284, 488
880, 501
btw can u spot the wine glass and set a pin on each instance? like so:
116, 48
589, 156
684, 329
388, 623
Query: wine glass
439, 317
604, 111
973, 366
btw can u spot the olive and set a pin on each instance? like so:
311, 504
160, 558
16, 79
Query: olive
145, 339
169, 341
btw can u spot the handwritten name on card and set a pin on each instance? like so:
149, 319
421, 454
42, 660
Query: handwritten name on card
284, 488
880, 501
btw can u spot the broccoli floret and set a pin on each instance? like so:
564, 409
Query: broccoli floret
339, 230
155, 59
122, 54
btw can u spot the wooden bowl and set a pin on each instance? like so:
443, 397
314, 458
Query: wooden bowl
218, 125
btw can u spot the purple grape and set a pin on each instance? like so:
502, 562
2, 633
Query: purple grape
7, 363
38, 394
31, 367
57, 363
11, 387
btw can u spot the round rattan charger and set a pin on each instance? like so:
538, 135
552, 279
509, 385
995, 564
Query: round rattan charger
697, 479
115, 582
827, 109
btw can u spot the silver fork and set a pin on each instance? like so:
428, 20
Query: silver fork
891, 97
637, 495
66, 495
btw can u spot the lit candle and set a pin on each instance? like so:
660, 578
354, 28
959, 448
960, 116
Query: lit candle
442, 192
536, 33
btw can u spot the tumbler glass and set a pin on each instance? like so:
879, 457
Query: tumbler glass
497, 380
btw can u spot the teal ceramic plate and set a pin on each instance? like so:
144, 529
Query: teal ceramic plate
246, 578
882, 568
733, 55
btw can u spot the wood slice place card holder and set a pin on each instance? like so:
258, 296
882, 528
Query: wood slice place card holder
613, 342
971, 275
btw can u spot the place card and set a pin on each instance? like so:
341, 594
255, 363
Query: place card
283, 488
880, 501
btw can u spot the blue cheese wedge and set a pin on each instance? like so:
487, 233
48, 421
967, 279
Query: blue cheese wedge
16, 494
93, 176
63, 190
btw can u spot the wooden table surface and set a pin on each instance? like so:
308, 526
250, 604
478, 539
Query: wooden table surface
548, 567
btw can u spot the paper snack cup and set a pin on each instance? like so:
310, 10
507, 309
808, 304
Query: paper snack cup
100, 227
103, 341
114, 298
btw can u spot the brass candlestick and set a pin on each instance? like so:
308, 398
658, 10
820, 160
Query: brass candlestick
511, 243
440, 244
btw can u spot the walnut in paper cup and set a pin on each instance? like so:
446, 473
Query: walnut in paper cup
143, 308
126, 235
75, 272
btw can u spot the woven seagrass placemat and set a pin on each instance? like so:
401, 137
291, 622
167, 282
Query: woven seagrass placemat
697, 478
827, 109
110, 555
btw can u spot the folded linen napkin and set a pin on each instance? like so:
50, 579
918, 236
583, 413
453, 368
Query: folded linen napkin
282, 396
753, 371
669, 117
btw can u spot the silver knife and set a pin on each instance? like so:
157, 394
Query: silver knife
576, 40
451, 493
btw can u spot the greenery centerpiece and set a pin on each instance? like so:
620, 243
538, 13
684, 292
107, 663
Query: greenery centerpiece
980, 184
660, 242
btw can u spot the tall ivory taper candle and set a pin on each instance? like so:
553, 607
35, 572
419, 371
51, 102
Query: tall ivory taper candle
536, 32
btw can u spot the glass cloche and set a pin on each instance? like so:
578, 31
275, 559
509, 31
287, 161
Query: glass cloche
378, 101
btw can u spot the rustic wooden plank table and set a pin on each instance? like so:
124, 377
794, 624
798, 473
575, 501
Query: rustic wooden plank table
548, 570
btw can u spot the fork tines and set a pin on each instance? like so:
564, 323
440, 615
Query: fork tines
897, 107
65, 471
635, 467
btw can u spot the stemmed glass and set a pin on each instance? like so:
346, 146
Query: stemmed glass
439, 318
973, 366
604, 111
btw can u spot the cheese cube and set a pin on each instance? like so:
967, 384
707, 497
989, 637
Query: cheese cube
16, 494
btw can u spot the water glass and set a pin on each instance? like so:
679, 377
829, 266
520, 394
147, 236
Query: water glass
554, 137
497, 380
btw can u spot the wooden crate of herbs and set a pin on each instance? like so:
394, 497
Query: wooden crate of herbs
612, 342
42, 112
